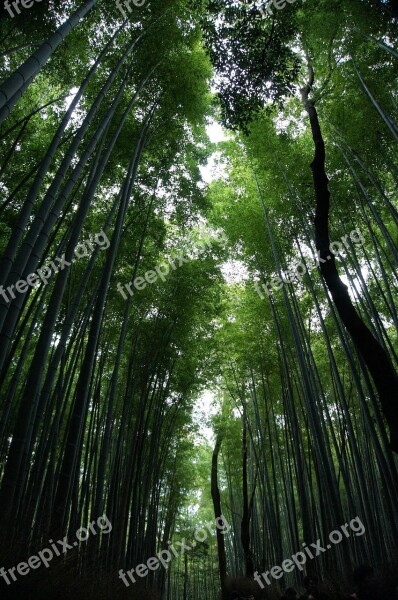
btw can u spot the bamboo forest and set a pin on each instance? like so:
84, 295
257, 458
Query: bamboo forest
198, 299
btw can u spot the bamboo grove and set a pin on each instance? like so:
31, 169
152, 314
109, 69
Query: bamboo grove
104, 144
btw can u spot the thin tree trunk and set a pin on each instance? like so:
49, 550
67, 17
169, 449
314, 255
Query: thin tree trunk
31, 67
245, 524
374, 356
215, 494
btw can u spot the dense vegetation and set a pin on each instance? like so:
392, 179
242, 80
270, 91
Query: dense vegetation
139, 293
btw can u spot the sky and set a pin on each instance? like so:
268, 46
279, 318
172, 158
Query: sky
216, 134
233, 272
203, 409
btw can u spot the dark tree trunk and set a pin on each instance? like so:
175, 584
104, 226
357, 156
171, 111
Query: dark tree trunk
375, 357
29, 69
245, 524
215, 494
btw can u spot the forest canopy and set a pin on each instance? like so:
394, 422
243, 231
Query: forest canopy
198, 299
